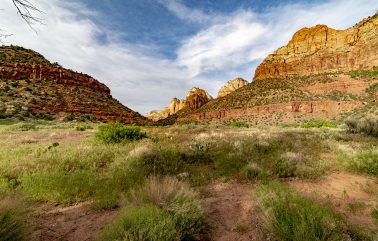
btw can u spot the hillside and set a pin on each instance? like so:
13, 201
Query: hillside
32, 87
321, 73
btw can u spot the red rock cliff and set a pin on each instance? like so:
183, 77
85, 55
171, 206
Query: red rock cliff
321, 49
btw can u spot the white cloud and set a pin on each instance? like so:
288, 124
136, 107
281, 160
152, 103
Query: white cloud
226, 47
247, 36
192, 15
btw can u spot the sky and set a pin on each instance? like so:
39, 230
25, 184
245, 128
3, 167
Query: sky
149, 51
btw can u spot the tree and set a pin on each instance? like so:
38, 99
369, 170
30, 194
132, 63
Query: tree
28, 11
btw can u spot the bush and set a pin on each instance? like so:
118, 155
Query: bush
83, 127
167, 160
148, 223
365, 73
69, 117
365, 162
239, 124
319, 124
12, 226
289, 217
368, 125
162, 203
374, 213
60, 186
117, 133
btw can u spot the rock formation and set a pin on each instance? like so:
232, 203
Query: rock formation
231, 86
38, 86
322, 73
321, 49
195, 99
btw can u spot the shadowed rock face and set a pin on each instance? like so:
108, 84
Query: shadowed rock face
58, 90
321, 49
231, 86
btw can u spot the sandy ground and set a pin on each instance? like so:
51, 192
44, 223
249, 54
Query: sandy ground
74, 223
345, 190
229, 212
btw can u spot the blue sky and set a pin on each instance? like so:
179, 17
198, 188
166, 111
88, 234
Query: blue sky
149, 51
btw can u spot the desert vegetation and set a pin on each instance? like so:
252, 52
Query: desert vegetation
155, 179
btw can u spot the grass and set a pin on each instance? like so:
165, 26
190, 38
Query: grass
374, 214
288, 216
365, 162
117, 133
52, 162
365, 73
164, 209
318, 124
12, 226
239, 124
367, 125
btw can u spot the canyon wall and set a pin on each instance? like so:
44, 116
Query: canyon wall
321, 49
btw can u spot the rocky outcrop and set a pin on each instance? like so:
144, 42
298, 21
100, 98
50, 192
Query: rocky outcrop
19, 71
277, 113
321, 49
40, 87
156, 115
195, 99
231, 86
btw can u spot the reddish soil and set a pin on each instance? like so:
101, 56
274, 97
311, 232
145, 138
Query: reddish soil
344, 191
229, 212
74, 223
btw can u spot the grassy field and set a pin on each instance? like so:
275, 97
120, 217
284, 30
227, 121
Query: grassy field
155, 180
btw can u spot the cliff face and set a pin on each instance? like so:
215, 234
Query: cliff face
195, 99
321, 49
39, 87
322, 73
231, 86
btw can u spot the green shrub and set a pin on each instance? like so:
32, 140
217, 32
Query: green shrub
164, 209
117, 133
367, 125
149, 223
289, 217
229, 165
319, 124
166, 160
374, 214
69, 117
83, 127
253, 172
239, 124
12, 227
365, 162
59, 186
365, 73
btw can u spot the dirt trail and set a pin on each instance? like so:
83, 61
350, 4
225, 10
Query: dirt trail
73, 223
229, 212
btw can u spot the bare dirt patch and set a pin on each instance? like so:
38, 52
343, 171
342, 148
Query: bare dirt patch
350, 194
72, 223
229, 212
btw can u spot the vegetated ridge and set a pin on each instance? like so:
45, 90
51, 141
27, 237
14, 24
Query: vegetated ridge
32, 87
320, 73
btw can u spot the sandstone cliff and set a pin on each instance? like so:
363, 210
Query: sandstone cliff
321, 49
195, 99
321, 74
231, 86
32, 86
